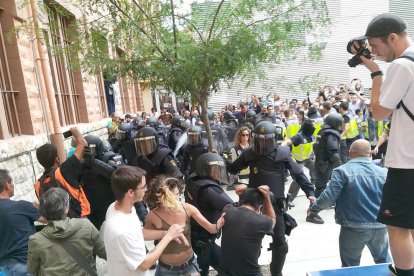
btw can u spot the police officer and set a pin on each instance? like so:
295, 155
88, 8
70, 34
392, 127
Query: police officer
220, 139
154, 123
122, 135
267, 163
153, 157
178, 127
327, 151
137, 123
349, 132
192, 150
251, 117
302, 152
97, 179
230, 126
204, 192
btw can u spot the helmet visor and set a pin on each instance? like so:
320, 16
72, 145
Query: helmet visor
120, 135
194, 138
93, 149
217, 171
145, 145
263, 144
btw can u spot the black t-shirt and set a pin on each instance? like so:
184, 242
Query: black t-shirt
241, 241
16, 225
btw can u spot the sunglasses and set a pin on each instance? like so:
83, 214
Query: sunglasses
243, 134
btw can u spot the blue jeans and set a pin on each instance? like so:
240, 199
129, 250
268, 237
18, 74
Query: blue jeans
13, 269
191, 269
353, 240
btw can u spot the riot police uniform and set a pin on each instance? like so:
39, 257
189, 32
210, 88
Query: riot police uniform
220, 140
122, 135
267, 163
192, 150
178, 126
230, 127
97, 179
204, 192
327, 151
153, 157
154, 123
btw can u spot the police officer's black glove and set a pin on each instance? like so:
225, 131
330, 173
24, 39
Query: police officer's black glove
88, 158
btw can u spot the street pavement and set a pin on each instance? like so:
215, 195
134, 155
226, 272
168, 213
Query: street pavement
312, 247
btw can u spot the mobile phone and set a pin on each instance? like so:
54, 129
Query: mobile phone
67, 134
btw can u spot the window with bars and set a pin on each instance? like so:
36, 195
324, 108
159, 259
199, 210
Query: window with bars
62, 27
9, 118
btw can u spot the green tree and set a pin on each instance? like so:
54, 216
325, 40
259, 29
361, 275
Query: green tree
191, 52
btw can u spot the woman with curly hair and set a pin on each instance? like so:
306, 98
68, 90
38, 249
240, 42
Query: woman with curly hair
241, 142
163, 197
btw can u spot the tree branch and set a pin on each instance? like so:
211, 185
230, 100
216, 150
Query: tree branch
143, 31
214, 20
277, 15
192, 25
174, 28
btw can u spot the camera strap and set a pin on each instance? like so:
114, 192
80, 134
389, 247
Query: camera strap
401, 104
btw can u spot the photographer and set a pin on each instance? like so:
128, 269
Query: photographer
389, 41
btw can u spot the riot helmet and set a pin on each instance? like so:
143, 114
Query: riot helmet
211, 165
107, 146
178, 121
210, 116
334, 120
308, 128
194, 135
95, 144
138, 123
251, 117
123, 132
153, 122
146, 141
264, 138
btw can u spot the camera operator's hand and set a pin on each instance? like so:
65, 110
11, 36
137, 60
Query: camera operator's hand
370, 64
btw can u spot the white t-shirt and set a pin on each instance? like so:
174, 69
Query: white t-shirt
124, 243
399, 85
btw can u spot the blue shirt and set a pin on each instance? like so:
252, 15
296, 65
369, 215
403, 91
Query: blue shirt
356, 187
16, 225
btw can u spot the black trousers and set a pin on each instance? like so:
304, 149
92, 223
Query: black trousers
279, 245
208, 254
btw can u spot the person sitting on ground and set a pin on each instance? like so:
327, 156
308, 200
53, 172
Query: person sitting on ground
52, 250
356, 188
244, 230
163, 195
16, 225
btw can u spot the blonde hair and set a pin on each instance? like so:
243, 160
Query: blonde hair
237, 137
160, 192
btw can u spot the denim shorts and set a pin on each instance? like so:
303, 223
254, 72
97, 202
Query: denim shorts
189, 268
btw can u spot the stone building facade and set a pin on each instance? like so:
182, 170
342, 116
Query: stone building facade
40, 97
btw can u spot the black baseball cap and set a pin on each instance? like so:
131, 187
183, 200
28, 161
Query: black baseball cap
383, 25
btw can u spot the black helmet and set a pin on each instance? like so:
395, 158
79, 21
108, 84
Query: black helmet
308, 128
228, 116
146, 141
194, 135
95, 144
264, 138
138, 123
153, 122
334, 120
211, 165
107, 146
251, 117
210, 115
178, 121
123, 132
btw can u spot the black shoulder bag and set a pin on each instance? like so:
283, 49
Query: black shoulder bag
76, 256
401, 104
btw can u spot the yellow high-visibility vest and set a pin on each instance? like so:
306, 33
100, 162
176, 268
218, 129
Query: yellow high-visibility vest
380, 129
292, 130
353, 129
302, 152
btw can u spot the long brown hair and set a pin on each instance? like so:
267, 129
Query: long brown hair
237, 137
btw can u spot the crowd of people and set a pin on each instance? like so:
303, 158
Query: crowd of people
157, 178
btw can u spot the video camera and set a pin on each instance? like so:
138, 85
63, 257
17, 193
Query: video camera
360, 47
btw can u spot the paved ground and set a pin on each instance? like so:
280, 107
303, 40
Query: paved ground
312, 247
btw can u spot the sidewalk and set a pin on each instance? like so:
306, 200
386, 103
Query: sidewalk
312, 247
